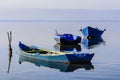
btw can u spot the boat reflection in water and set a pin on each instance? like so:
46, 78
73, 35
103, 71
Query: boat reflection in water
92, 42
67, 47
62, 67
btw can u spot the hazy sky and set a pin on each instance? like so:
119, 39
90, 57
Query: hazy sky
61, 4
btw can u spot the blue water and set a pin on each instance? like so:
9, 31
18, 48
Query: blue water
104, 65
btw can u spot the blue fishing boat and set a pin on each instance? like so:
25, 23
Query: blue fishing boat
92, 43
92, 32
62, 67
67, 38
54, 56
67, 47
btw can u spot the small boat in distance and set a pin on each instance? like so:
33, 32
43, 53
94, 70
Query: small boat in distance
90, 32
67, 38
54, 56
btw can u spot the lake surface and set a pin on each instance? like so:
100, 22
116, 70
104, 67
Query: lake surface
105, 64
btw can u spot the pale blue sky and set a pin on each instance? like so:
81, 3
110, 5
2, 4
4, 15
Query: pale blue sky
61, 4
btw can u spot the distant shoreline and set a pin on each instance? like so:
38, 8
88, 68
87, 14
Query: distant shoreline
59, 20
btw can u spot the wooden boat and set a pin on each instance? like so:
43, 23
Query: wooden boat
92, 43
92, 32
54, 56
67, 47
62, 67
67, 38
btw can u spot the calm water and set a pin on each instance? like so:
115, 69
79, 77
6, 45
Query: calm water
104, 65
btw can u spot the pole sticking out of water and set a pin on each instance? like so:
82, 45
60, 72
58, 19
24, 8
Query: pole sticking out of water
56, 33
9, 34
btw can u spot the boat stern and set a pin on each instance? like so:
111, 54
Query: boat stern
80, 58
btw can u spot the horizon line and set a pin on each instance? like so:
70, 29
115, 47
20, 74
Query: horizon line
62, 9
50, 20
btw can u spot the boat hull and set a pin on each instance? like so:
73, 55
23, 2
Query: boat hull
79, 58
92, 32
54, 56
61, 58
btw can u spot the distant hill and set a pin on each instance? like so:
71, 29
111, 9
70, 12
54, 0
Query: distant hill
59, 15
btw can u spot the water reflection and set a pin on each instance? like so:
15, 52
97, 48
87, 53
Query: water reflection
9, 50
93, 42
67, 47
62, 67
